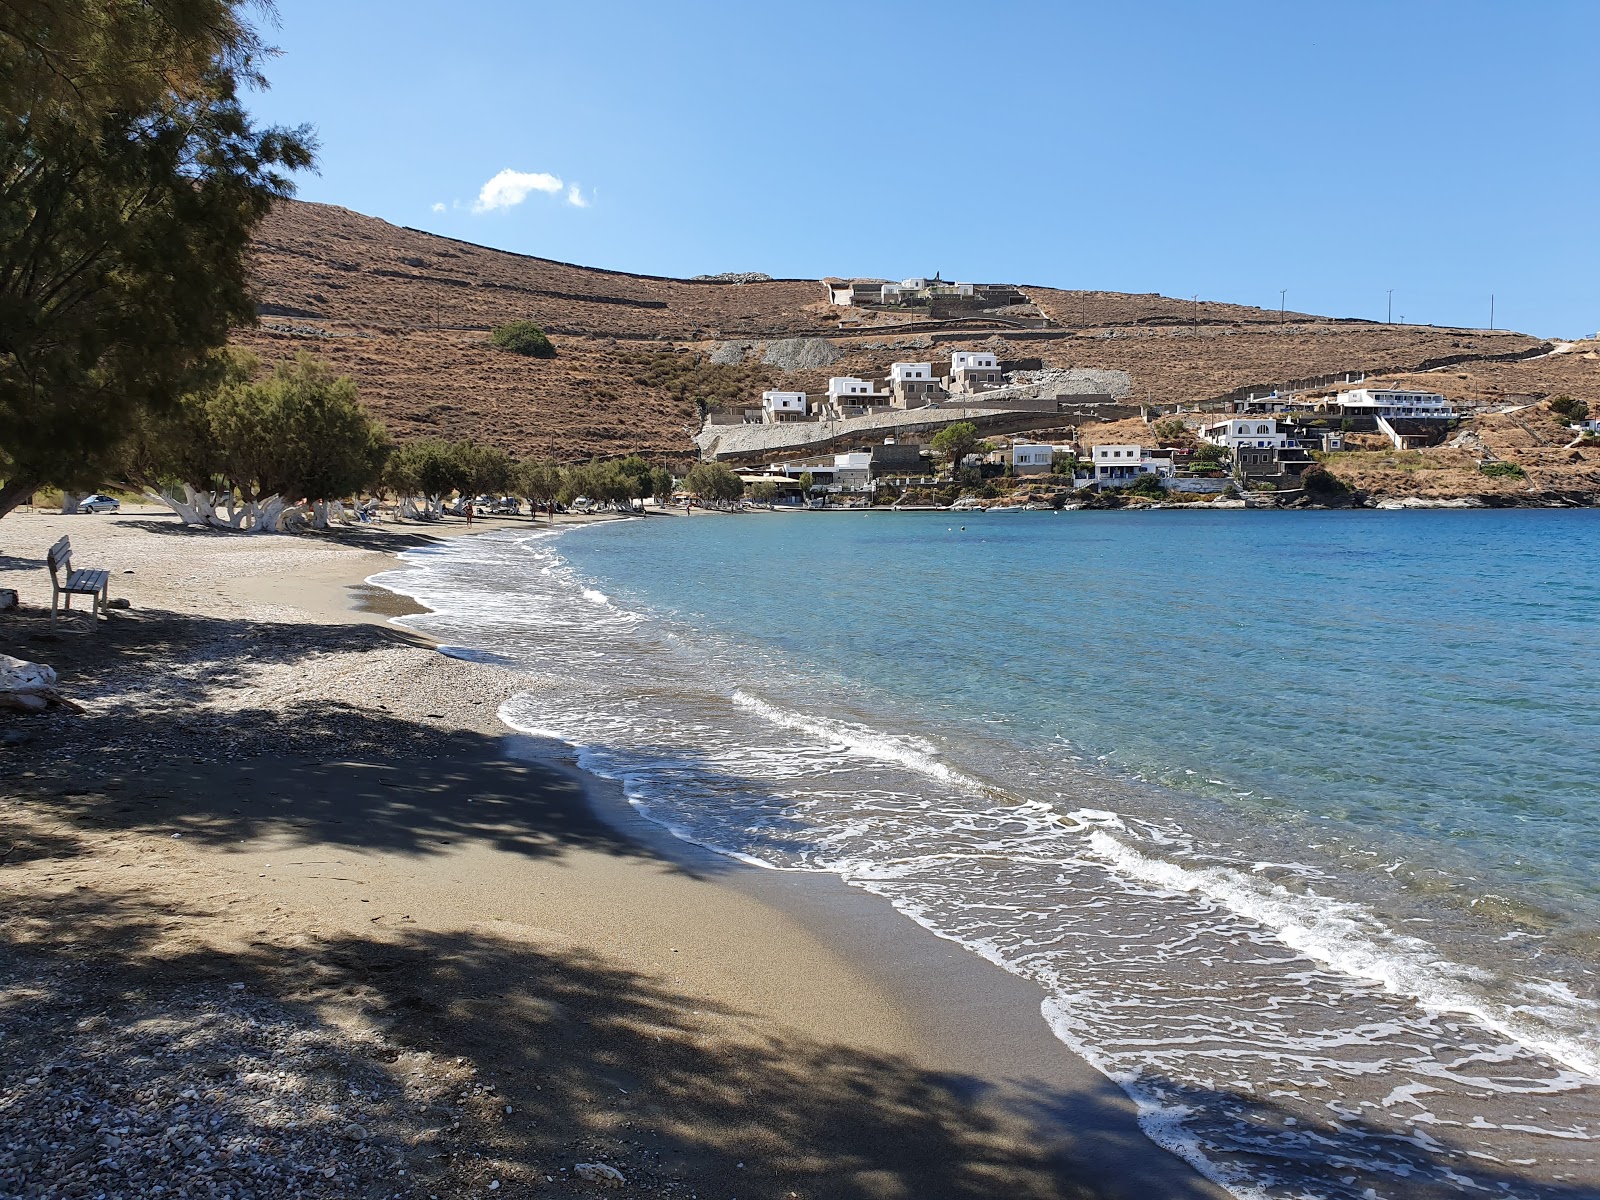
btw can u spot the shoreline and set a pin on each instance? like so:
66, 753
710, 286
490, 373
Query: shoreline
287, 813
968, 1017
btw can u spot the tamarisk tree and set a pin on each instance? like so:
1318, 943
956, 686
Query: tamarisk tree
131, 180
238, 455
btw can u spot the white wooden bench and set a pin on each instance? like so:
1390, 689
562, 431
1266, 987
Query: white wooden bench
79, 583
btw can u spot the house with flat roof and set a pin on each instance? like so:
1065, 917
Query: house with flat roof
1123, 463
912, 385
1395, 402
973, 371
1259, 432
777, 407
852, 397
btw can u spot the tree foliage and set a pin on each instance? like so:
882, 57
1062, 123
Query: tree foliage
713, 482
297, 434
131, 179
1569, 408
1319, 481
525, 338
537, 482
955, 442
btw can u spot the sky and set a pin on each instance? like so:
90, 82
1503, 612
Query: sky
1446, 151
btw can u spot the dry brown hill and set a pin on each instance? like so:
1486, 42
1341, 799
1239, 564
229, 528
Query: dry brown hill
408, 313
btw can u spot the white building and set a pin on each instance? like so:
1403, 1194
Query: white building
1260, 433
973, 371
1393, 402
782, 406
841, 387
912, 385
1118, 463
1026, 457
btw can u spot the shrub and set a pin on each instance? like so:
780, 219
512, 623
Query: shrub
1148, 486
1171, 430
1570, 409
523, 337
1319, 481
1502, 470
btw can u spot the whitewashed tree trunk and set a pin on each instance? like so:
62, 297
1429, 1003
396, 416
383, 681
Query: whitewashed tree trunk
268, 515
319, 514
70, 503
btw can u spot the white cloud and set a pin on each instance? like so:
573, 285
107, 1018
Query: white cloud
576, 198
439, 207
510, 188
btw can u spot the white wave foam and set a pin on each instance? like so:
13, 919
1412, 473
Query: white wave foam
1346, 937
905, 751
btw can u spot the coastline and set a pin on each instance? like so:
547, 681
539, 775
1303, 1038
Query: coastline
783, 1031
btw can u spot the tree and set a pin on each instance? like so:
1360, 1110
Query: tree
713, 482
661, 484
482, 469
539, 483
131, 180
764, 492
955, 442
525, 338
1208, 454
1569, 409
300, 434
428, 469
807, 480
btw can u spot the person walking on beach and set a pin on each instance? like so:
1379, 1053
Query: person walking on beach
468, 512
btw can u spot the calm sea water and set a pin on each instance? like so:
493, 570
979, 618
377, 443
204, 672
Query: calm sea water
1293, 815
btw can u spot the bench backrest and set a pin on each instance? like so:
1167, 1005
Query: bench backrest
60, 557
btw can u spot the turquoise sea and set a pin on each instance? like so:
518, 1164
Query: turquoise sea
1292, 815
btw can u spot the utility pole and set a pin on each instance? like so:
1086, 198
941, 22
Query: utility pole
1282, 292
1196, 311
1391, 306
1491, 312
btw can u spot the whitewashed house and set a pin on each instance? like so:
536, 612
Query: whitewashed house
1390, 403
1259, 433
1123, 463
973, 371
912, 385
777, 407
852, 397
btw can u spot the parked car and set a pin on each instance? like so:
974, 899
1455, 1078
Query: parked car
99, 504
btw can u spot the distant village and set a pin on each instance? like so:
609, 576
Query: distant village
1265, 442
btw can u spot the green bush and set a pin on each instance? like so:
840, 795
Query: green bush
1502, 470
1570, 409
1149, 487
1319, 481
523, 337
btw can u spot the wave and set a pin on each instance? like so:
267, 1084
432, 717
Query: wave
1292, 984
1345, 936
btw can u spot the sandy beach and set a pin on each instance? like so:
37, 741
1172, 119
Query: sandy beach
287, 912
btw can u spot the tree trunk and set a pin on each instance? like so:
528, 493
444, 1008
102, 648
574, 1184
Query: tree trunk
69, 504
13, 492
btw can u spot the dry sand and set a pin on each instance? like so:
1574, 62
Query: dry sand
289, 909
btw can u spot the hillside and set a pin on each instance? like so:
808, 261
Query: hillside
408, 313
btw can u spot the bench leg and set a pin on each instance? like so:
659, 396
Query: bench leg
55, 599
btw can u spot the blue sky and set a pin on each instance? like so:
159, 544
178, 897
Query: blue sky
1445, 150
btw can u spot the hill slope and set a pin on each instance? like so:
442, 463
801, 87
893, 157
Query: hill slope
407, 314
